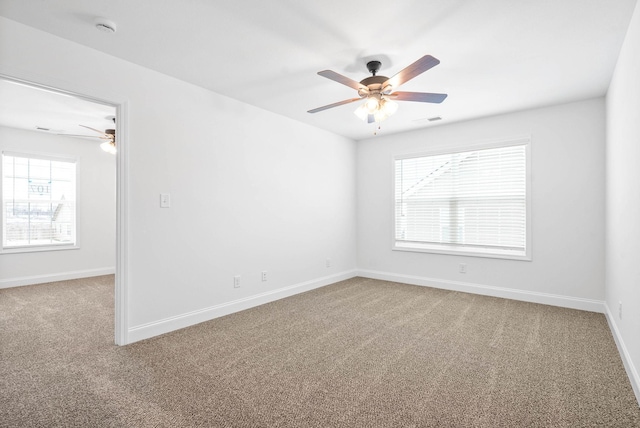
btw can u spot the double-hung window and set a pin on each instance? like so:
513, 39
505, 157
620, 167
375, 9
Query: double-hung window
473, 201
38, 202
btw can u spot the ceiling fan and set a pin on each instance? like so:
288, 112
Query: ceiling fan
379, 91
109, 135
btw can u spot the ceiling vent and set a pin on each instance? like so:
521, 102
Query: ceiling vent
427, 119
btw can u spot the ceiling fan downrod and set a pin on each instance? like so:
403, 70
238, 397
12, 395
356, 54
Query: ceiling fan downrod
374, 67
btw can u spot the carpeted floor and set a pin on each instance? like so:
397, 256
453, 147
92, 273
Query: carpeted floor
359, 353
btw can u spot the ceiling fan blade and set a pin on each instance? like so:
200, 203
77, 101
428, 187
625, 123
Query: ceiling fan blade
418, 67
93, 129
342, 79
371, 118
339, 103
78, 135
422, 97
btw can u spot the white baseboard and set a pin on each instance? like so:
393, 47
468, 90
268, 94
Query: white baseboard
488, 290
53, 277
632, 373
166, 325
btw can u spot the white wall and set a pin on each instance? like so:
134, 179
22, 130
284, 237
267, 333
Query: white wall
250, 190
567, 267
96, 215
623, 201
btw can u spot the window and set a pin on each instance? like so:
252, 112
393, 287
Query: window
472, 202
38, 202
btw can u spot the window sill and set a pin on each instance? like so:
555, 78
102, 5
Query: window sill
462, 251
38, 249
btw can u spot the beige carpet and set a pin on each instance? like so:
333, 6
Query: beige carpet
359, 353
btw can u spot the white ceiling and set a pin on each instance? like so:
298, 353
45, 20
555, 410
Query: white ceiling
496, 55
35, 109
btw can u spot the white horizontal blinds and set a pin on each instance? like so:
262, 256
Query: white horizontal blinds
475, 198
38, 201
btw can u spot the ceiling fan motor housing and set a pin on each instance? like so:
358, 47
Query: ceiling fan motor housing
374, 80
374, 86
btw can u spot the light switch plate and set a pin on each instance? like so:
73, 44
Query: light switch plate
165, 200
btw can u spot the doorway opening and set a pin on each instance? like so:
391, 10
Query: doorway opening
53, 139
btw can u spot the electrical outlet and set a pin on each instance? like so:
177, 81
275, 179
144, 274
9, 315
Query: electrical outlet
463, 268
236, 281
264, 275
620, 310
328, 263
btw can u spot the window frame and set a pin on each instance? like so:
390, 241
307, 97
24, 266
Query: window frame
42, 247
462, 250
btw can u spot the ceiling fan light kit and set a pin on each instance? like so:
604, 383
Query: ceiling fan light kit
109, 135
376, 109
377, 91
109, 147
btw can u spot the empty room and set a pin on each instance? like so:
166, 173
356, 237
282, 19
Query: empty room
320, 214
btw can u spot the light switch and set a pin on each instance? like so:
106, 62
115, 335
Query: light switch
165, 200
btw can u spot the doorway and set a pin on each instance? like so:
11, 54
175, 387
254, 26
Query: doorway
52, 122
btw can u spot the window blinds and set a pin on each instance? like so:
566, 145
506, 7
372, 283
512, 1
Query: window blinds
474, 198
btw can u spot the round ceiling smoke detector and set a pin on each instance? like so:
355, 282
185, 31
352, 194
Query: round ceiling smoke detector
105, 25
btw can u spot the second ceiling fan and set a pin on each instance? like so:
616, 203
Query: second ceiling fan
109, 135
379, 92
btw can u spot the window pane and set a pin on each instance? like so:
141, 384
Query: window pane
39, 169
62, 190
38, 201
63, 171
474, 199
16, 216
39, 189
21, 166
21, 188
7, 166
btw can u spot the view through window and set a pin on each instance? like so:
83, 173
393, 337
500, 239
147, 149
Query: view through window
471, 201
38, 201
